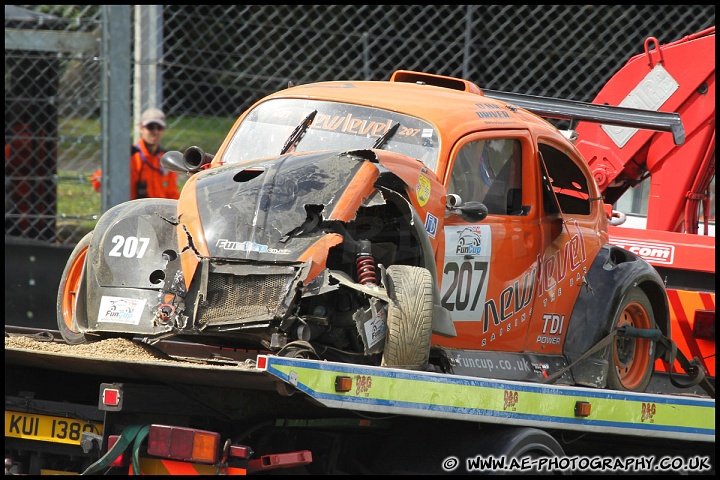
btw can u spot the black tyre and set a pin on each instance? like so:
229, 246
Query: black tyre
409, 318
70, 289
407, 451
632, 360
524, 442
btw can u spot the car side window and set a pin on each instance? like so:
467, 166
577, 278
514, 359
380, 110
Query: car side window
489, 171
568, 181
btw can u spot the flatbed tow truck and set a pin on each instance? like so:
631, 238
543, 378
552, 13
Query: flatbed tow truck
150, 405
262, 413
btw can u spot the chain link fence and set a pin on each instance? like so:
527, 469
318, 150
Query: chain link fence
205, 64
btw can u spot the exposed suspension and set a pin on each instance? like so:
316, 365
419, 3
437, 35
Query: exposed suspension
365, 264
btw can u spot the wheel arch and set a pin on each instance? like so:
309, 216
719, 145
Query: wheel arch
612, 274
517, 442
71, 312
442, 322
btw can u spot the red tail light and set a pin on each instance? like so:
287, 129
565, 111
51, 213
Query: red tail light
240, 451
185, 444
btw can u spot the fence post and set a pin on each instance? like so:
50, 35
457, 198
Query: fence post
147, 91
115, 116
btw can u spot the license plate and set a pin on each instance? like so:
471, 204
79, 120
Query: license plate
46, 428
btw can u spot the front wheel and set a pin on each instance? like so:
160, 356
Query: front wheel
69, 291
409, 317
632, 360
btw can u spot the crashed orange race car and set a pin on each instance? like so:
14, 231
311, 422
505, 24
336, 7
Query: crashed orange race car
417, 223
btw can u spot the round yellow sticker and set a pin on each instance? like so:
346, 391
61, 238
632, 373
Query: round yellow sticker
422, 190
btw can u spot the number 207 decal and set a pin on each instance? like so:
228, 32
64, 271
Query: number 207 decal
468, 250
465, 291
129, 247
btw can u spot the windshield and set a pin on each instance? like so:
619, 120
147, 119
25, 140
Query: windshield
336, 126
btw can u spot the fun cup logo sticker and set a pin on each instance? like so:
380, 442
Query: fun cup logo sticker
121, 310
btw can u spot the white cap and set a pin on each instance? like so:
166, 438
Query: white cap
152, 115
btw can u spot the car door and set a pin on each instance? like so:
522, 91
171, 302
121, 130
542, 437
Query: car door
510, 281
489, 268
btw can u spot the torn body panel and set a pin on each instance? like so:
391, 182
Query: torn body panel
254, 212
277, 250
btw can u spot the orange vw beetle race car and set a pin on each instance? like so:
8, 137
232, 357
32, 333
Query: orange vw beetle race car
416, 223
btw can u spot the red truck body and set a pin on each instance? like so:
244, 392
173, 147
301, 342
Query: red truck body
674, 77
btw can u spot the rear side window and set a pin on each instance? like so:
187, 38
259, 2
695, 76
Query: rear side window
569, 183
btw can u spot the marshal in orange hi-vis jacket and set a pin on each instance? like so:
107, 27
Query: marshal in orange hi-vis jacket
147, 177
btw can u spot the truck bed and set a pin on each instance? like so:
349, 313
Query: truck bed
353, 388
184, 363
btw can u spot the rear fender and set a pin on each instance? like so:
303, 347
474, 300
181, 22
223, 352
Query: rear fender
134, 267
613, 272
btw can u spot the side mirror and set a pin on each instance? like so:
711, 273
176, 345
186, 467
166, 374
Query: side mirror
192, 161
475, 211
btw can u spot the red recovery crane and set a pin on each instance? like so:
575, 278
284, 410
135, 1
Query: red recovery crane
678, 236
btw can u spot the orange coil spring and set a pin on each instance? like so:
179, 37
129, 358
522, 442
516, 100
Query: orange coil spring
366, 269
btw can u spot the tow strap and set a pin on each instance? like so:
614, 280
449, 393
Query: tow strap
693, 367
132, 432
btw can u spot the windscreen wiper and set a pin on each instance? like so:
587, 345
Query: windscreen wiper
386, 136
298, 133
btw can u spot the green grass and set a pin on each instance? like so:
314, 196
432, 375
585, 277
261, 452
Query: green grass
78, 205
206, 133
76, 197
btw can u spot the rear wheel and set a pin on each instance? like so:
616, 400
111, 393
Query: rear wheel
407, 451
67, 299
409, 318
632, 360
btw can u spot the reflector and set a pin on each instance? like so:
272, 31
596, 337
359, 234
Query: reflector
120, 459
111, 397
582, 409
261, 362
704, 325
343, 384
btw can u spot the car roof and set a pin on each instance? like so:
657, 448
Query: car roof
454, 112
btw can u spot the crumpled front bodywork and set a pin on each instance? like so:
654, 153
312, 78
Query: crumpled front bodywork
269, 247
266, 212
